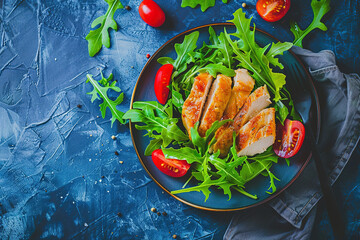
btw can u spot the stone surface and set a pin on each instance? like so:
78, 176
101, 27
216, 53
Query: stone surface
53, 154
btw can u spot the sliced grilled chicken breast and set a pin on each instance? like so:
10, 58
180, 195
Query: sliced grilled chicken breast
258, 134
257, 101
243, 85
216, 102
194, 104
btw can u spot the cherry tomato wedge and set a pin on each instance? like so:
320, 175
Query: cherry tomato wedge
162, 81
272, 10
171, 167
289, 138
151, 13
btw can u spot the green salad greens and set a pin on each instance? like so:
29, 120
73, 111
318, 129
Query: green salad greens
100, 36
320, 8
204, 4
100, 89
224, 52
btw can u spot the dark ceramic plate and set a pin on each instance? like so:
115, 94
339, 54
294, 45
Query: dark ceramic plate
218, 201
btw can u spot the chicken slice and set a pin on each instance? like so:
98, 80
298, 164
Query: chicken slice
243, 85
256, 102
258, 134
216, 102
194, 104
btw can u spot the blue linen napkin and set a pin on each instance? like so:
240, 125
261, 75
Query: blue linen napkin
291, 215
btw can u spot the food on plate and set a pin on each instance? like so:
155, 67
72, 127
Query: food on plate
162, 81
193, 106
229, 96
216, 102
258, 134
151, 13
171, 167
243, 85
257, 101
289, 138
272, 10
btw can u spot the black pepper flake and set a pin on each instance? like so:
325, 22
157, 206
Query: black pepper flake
164, 214
127, 7
102, 176
116, 153
119, 214
158, 213
83, 176
79, 106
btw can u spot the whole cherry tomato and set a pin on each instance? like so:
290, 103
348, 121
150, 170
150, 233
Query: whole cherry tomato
289, 138
151, 13
171, 167
272, 10
162, 81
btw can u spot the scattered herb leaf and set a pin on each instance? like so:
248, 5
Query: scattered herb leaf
100, 92
320, 8
100, 36
204, 4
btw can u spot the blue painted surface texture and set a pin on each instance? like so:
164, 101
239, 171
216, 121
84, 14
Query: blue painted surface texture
59, 176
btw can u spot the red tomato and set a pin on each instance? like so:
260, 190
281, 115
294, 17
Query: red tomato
171, 167
289, 138
162, 81
151, 13
272, 10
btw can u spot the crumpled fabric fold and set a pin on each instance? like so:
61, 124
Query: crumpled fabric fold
291, 215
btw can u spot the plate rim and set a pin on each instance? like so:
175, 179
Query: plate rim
315, 95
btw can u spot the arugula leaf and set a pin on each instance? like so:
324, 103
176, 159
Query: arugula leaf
153, 145
157, 122
177, 99
203, 187
252, 56
277, 49
213, 69
183, 50
228, 169
320, 8
184, 153
202, 144
100, 92
281, 111
205, 4
100, 36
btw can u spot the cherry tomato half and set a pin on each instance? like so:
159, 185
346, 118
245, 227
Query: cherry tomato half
289, 138
151, 13
162, 81
272, 10
171, 167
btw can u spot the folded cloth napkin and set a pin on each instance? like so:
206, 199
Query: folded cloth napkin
291, 215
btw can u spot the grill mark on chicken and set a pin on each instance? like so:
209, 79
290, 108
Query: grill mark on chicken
194, 104
216, 103
243, 85
256, 102
257, 134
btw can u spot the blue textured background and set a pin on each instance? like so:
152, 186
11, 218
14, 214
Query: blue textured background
59, 176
